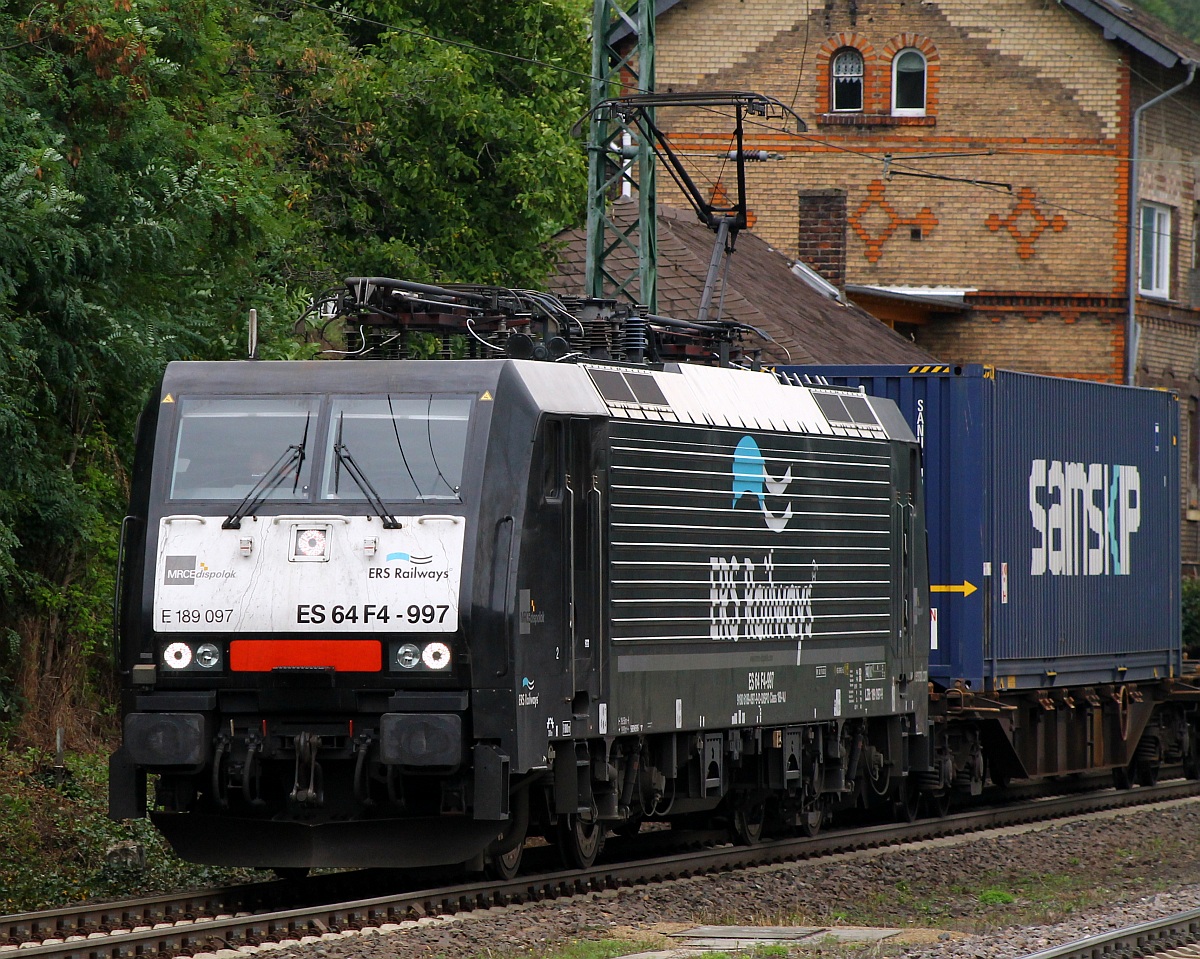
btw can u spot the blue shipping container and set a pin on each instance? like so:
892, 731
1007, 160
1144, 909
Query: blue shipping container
1053, 522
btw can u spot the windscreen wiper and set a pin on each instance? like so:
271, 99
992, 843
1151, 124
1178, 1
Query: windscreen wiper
342, 458
291, 457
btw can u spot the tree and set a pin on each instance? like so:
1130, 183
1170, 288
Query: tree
1182, 16
428, 157
163, 169
132, 221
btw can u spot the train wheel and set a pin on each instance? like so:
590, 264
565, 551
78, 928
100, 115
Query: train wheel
1191, 761
579, 842
1147, 761
938, 802
1122, 779
747, 822
504, 866
1146, 774
811, 820
908, 801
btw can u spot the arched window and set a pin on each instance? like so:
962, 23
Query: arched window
847, 79
908, 84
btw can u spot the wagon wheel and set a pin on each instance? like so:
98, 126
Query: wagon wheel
629, 828
747, 822
938, 802
502, 859
579, 842
505, 865
810, 820
999, 777
907, 803
1146, 773
1191, 761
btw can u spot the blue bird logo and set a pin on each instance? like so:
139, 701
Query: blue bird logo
750, 476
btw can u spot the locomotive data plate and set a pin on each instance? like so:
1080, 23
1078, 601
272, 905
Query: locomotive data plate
340, 574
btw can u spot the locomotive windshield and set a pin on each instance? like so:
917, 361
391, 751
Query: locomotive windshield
227, 445
408, 446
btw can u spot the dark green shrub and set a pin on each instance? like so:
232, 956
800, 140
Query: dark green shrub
1190, 594
56, 835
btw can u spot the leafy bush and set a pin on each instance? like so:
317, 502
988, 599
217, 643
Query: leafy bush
1190, 594
57, 834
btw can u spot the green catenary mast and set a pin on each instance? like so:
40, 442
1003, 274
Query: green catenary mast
616, 149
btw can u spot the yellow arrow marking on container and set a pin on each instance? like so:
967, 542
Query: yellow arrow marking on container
966, 589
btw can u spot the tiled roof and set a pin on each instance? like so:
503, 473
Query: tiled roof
807, 326
1145, 33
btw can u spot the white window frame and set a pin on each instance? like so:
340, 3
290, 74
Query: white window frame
1154, 250
861, 76
910, 111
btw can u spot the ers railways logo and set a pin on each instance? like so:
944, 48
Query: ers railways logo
745, 600
1084, 516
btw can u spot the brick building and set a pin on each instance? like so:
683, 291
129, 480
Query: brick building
966, 174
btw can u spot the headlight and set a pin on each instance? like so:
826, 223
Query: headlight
420, 657
192, 657
408, 656
207, 655
436, 655
178, 656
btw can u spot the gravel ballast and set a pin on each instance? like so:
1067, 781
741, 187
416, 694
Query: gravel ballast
1003, 896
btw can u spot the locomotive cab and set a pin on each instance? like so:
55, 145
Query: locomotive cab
302, 571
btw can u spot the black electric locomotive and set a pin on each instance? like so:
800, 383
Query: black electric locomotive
407, 612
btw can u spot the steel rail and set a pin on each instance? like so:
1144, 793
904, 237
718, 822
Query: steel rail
1144, 939
164, 937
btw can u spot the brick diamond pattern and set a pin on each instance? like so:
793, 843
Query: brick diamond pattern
1026, 206
876, 197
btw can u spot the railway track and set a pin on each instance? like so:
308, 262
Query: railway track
1172, 937
216, 919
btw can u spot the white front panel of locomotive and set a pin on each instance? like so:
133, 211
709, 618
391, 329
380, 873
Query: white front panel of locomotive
318, 574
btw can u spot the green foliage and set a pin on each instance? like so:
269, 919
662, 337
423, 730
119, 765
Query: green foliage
166, 168
57, 839
1182, 16
128, 229
429, 159
996, 897
1190, 601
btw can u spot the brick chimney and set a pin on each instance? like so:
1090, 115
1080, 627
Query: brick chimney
823, 233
